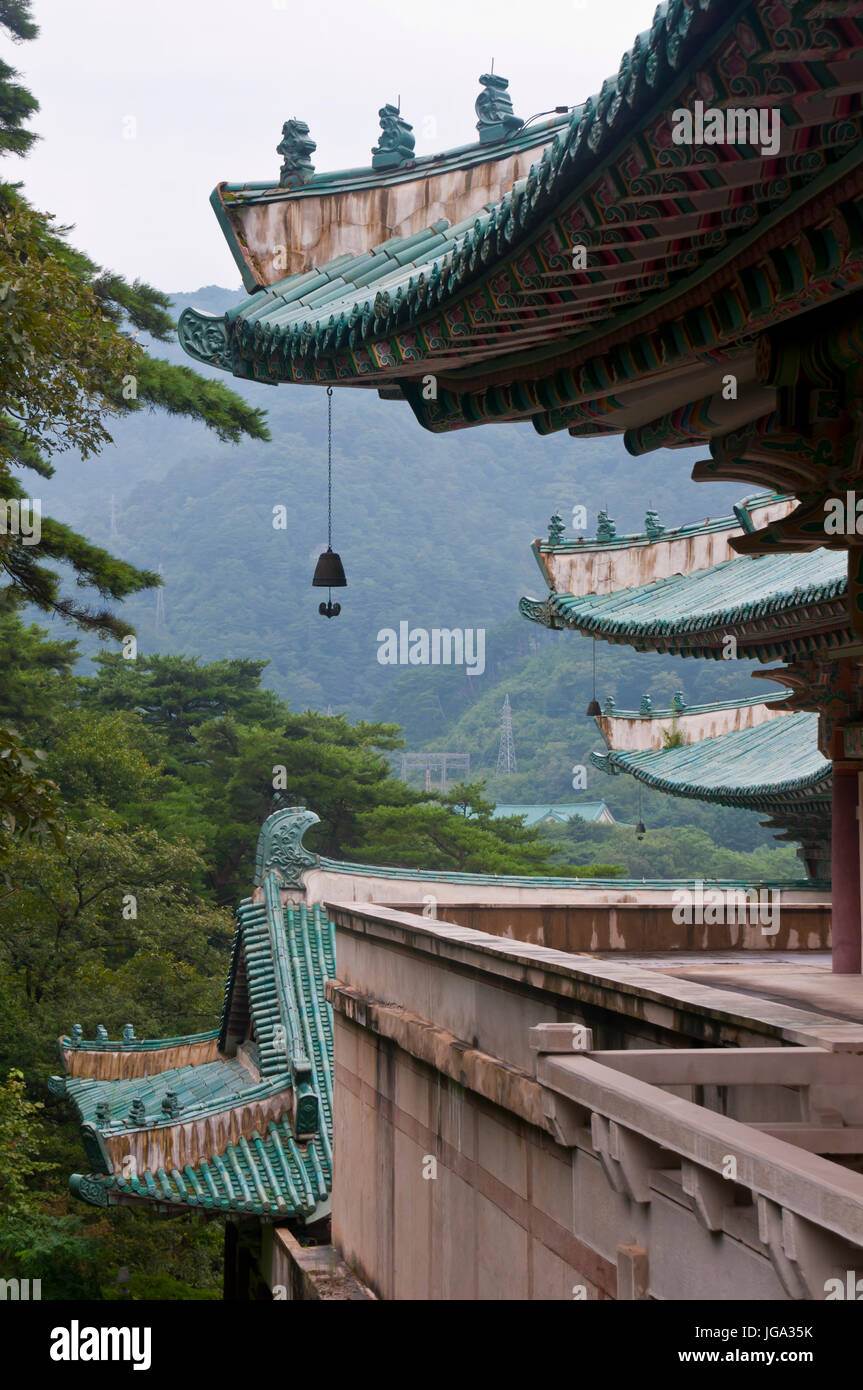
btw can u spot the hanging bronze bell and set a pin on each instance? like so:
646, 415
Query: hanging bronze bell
640, 830
329, 571
593, 708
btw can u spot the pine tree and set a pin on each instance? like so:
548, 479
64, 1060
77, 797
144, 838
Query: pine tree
69, 362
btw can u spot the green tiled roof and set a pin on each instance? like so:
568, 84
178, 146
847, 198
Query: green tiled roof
534, 815
268, 1175
200, 1090
346, 295
365, 176
274, 999
777, 762
539, 881
739, 519
687, 612
693, 254
354, 299
685, 710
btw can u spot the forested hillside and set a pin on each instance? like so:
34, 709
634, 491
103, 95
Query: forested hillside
442, 539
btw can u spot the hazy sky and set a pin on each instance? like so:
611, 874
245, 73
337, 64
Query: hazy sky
202, 87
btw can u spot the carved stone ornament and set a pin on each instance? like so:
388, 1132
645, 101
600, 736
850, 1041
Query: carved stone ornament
297, 148
205, 337
494, 108
605, 527
397, 141
280, 846
89, 1190
652, 525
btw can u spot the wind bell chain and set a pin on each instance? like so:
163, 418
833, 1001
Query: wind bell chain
329, 571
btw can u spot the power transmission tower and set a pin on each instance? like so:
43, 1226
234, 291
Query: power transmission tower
506, 752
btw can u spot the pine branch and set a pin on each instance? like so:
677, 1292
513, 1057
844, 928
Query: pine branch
179, 390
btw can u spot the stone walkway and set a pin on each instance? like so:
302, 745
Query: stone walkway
787, 977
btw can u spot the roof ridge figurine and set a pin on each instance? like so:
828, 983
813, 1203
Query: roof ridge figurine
652, 525
606, 530
497, 121
297, 148
397, 141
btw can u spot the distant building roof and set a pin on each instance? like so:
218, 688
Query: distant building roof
596, 811
755, 767
635, 731
774, 766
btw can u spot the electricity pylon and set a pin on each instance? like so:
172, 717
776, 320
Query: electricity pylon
506, 751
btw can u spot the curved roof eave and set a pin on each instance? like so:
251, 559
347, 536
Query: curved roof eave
697, 610
659, 57
775, 764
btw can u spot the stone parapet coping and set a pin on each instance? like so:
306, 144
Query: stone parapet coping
582, 979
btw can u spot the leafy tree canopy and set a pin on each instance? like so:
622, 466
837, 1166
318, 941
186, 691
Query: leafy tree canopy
177, 694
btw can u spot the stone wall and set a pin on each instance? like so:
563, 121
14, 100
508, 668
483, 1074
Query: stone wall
471, 1165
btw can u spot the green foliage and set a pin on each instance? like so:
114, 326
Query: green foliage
100, 762
673, 738
148, 1256
20, 1144
86, 920
452, 832
55, 345
124, 1255
670, 852
176, 695
33, 682
53, 1246
28, 807
17, 105
29, 692
178, 390
141, 1287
